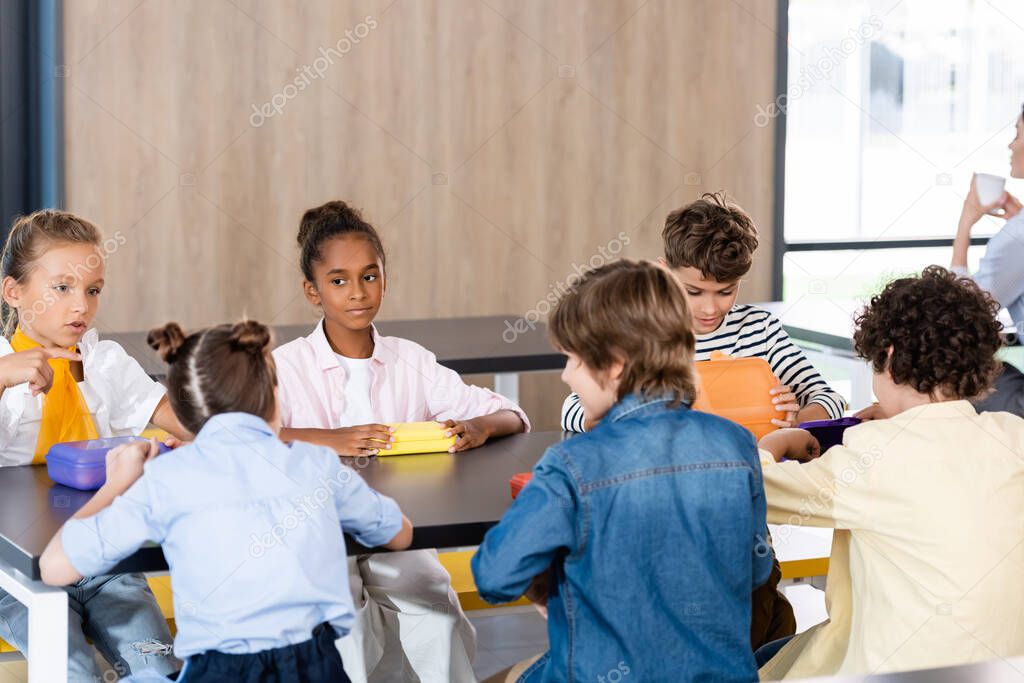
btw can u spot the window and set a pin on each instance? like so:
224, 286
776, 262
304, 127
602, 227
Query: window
890, 106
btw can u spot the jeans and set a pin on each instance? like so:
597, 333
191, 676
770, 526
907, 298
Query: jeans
121, 617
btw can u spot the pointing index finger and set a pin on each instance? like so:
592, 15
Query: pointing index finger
62, 353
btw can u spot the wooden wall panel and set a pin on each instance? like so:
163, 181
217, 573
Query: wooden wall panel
496, 144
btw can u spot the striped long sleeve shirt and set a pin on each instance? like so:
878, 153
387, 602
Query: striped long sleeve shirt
748, 331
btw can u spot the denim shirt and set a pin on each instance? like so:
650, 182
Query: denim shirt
654, 526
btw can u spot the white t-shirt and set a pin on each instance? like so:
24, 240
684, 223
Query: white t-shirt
120, 396
358, 377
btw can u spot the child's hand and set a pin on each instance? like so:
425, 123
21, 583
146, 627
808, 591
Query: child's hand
537, 592
125, 464
173, 442
468, 434
872, 412
785, 402
362, 439
32, 366
793, 444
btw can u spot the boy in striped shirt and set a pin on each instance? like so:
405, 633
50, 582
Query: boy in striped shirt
709, 246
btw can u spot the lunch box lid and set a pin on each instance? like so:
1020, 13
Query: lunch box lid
736, 388
88, 453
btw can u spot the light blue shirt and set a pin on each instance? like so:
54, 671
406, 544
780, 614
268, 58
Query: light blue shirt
1001, 271
250, 529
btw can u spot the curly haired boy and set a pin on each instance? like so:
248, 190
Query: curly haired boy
927, 505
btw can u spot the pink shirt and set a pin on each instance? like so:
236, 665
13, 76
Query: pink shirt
408, 385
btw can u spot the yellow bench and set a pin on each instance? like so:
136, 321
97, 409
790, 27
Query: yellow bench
804, 569
457, 565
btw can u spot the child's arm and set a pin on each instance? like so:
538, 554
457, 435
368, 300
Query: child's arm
803, 394
472, 411
165, 419
359, 440
476, 431
791, 444
812, 412
136, 399
124, 467
573, 417
31, 366
403, 539
540, 525
372, 518
828, 491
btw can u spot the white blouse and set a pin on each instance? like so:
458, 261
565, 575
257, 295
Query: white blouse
120, 396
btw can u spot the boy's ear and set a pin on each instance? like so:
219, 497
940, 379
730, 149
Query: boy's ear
312, 295
616, 368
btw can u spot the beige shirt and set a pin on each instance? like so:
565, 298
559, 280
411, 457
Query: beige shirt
927, 564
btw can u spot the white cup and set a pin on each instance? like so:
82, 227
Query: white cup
990, 187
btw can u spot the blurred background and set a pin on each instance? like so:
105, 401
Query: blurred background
499, 144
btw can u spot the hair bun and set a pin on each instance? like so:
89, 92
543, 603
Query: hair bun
250, 336
166, 340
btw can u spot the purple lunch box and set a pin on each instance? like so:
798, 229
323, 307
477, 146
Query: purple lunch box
829, 433
82, 465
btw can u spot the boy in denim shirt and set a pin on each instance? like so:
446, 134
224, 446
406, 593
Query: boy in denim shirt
644, 536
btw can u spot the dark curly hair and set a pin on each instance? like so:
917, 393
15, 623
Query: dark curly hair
942, 330
713, 235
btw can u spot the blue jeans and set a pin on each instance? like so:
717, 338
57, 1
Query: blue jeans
121, 617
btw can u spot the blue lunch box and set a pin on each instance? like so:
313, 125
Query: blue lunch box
82, 465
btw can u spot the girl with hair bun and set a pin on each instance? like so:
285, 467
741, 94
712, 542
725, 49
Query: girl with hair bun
252, 528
